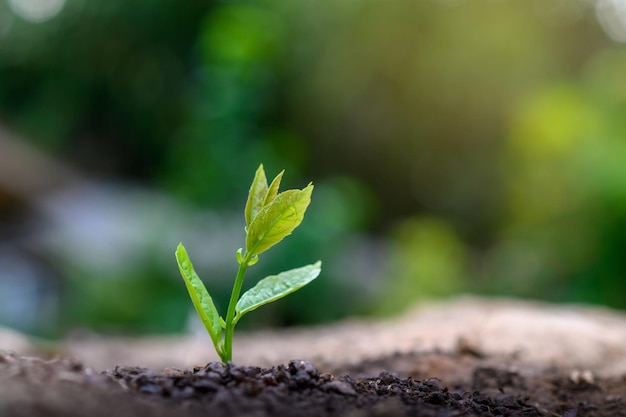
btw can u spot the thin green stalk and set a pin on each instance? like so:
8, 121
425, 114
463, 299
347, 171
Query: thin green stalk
227, 351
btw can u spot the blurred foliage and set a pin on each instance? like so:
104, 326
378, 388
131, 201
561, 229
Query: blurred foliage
565, 204
232, 123
422, 249
102, 84
134, 303
456, 145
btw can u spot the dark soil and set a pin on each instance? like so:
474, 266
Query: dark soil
470, 385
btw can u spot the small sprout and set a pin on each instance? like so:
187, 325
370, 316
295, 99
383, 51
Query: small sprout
270, 217
253, 260
239, 255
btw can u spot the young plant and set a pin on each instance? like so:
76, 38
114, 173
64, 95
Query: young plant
270, 217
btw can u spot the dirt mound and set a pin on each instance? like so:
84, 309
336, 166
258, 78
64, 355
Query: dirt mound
467, 357
298, 389
60, 387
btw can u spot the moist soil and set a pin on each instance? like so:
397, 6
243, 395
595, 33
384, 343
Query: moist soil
432, 384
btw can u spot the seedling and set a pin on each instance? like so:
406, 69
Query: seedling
270, 217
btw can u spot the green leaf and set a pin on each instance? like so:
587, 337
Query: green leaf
272, 288
272, 192
200, 297
256, 195
277, 220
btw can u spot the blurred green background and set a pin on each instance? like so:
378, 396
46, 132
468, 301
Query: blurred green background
457, 146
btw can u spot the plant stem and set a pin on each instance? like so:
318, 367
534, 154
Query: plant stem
227, 351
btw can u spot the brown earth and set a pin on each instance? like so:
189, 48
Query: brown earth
464, 357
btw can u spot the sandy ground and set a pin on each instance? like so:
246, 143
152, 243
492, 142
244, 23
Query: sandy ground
538, 334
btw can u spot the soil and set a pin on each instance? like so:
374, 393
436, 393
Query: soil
470, 385
567, 362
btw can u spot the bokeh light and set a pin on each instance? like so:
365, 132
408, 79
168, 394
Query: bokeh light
612, 16
36, 11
